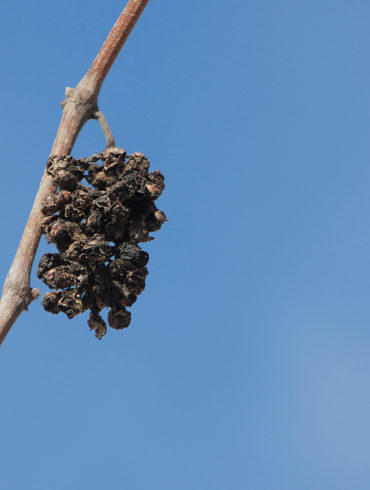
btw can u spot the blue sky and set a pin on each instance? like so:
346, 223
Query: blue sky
247, 364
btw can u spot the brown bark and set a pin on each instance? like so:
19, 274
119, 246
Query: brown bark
79, 106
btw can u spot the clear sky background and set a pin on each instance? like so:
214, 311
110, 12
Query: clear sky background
247, 363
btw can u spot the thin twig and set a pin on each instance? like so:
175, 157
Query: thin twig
109, 138
79, 106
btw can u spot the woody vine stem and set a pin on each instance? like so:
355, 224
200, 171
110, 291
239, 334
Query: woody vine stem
79, 106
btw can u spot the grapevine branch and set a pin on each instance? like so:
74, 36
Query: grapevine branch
79, 106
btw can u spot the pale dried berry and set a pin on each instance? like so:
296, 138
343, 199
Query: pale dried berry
49, 206
137, 162
97, 324
70, 303
72, 213
63, 198
113, 160
119, 319
47, 262
132, 254
135, 280
66, 180
59, 277
51, 302
155, 220
122, 295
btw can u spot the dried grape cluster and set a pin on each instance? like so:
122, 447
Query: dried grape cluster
96, 230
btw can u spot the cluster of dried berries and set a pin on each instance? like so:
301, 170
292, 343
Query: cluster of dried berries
96, 230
